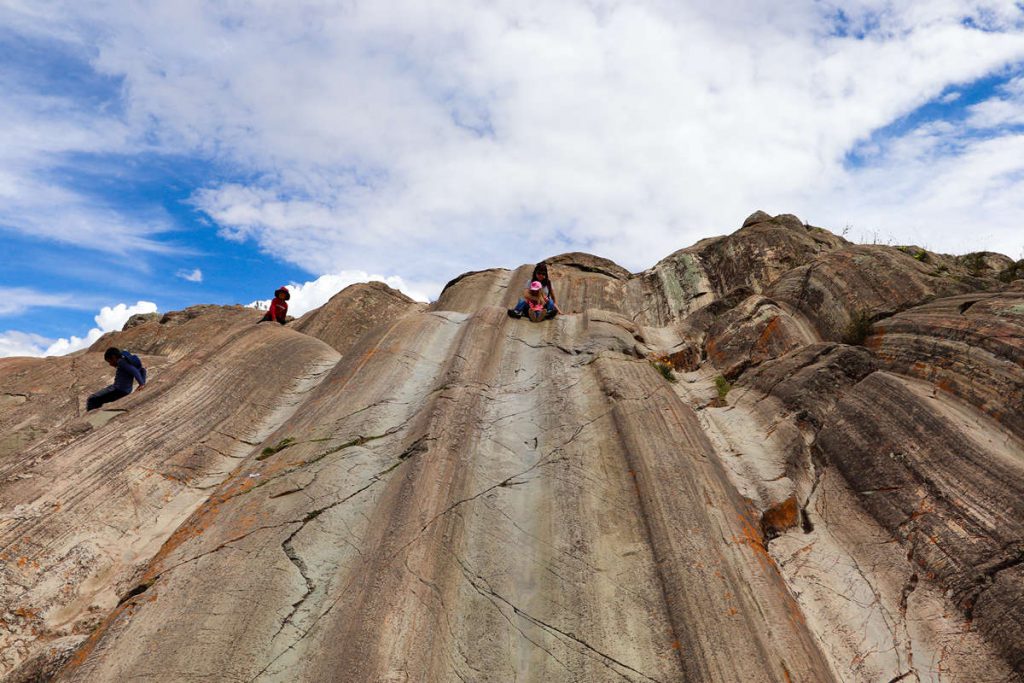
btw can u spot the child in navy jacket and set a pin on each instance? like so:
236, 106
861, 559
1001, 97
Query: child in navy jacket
128, 371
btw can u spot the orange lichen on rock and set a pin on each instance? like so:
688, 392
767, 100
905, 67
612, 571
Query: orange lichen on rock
780, 517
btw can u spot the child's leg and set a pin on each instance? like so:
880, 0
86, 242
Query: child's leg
103, 396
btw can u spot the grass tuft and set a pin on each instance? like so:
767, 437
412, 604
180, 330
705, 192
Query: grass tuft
271, 450
723, 386
665, 369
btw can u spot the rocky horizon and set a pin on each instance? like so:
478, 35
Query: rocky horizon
773, 456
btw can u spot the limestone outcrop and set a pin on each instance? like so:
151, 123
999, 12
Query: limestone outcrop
690, 475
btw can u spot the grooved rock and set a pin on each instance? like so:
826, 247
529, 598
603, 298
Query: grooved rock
971, 346
948, 484
353, 312
751, 333
44, 396
386, 491
140, 318
865, 280
83, 510
837, 296
754, 256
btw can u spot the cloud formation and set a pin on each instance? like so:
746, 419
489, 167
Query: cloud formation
14, 300
429, 138
194, 275
16, 343
109, 319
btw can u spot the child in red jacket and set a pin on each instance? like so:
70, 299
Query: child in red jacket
278, 311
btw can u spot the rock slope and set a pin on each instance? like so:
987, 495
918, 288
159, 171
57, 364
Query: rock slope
774, 456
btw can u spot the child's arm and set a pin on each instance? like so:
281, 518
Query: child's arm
124, 364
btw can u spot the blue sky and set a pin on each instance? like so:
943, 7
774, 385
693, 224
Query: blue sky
247, 146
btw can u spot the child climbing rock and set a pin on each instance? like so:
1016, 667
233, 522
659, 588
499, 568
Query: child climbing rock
129, 370
278, 311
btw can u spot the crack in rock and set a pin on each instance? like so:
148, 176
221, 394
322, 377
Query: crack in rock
482, 586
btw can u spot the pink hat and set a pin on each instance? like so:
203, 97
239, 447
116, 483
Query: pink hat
535, 286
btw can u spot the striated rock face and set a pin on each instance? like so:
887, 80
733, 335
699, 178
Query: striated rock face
756, 330
836, 296
950, 490
868, 281
140, 318
971, 346
385, 491
354, 311
86, 504
760, 252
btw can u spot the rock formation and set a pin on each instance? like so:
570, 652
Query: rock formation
773, 456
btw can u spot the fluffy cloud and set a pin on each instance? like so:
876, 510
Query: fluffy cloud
309, 295
428, 138
194, 275
22, 344
1006, 109
109, 319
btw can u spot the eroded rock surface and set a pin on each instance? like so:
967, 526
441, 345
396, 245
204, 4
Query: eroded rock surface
450, 494
354, 311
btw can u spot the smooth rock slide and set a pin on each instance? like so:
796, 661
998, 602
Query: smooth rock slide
773, 456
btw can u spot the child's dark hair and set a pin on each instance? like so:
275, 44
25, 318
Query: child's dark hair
542, 269
111, 354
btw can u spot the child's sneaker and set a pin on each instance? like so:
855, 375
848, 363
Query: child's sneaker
513, 313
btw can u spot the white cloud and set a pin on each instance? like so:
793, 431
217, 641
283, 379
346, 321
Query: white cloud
16, 343
1006, 109
14, 300
109, 319
428, 138
194, 275
309, 295
39, 135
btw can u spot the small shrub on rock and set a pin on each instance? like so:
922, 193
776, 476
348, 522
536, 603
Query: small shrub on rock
973, 262
1014, 272
665, 368
723, 386
858, 329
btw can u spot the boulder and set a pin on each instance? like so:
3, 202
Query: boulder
354, 311
139, 319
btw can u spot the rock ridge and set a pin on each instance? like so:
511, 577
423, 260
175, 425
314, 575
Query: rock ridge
804, 448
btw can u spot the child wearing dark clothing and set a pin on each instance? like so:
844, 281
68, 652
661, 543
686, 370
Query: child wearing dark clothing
129, 370
278, 311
